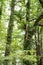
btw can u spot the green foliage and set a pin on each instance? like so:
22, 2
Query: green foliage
16, 48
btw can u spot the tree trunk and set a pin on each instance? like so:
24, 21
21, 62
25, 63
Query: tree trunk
26, 39
0, 10
38, 42
27, 34
9, 33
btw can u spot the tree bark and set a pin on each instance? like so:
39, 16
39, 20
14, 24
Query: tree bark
26, 39
9, 33
27, 33
38, 41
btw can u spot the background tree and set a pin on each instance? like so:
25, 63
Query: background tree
9, 34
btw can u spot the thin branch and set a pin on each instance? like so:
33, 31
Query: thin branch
38, 19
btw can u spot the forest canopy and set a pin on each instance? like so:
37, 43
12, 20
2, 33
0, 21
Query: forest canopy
21, 32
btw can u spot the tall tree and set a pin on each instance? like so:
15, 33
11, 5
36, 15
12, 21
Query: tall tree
26, 39
38, 41
27, 33
9, 33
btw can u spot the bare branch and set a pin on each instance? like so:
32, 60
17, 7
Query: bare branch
38, 19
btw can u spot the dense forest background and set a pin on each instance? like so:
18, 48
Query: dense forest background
21, 32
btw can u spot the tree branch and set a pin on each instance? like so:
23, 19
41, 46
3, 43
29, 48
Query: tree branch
37, 20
